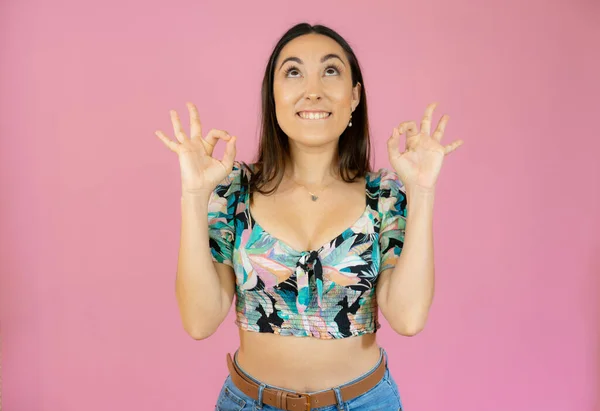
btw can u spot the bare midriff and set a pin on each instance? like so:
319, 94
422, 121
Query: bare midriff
306, 364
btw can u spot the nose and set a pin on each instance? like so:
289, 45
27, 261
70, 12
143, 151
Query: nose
313, 88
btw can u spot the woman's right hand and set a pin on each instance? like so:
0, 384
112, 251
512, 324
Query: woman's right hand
200, 172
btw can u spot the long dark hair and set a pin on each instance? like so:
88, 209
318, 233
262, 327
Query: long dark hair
354, 147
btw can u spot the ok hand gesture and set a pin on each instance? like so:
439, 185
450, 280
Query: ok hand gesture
200, 171
420, 164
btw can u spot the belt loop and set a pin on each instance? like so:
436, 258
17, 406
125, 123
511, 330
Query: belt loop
338, 398
259, 403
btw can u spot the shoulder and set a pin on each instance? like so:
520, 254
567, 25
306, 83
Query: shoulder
235, 180
225, 197
387, 180
392, 193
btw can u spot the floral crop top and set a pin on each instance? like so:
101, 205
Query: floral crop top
325, 293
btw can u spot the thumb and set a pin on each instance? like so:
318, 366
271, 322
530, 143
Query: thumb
393, 143
229, 154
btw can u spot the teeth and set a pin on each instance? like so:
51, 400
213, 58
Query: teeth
313, 116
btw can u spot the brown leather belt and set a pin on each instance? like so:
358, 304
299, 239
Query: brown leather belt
302, 401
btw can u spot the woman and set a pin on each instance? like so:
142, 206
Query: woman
308, 238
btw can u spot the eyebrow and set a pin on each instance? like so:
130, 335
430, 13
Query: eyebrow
323, 59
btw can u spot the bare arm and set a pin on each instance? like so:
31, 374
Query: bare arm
204, 289
405, 293
407, 290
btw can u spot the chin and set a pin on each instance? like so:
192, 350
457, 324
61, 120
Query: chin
313, 138
313, 135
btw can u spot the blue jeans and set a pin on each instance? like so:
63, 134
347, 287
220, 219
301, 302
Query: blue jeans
384, 396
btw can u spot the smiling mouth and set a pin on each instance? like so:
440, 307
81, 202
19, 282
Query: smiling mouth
322, 115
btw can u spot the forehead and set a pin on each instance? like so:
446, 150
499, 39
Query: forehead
310, 48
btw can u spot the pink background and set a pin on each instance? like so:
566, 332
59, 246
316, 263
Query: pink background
90, 209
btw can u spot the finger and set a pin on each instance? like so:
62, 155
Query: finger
408, 127
393, 142
177, 126
453, 146
195, 124
168, 142
214, 135
426, 122
441, 127
229, 154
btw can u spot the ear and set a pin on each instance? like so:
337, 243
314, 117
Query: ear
356, 92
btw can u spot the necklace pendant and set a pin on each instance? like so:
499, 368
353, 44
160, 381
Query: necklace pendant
314, 197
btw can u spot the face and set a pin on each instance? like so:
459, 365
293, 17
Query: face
313, 90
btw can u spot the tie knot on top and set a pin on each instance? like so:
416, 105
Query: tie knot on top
308, 264
312, 256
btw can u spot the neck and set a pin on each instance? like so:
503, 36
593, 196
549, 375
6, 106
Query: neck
312, 166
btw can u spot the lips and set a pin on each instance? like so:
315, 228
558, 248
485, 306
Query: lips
314, 115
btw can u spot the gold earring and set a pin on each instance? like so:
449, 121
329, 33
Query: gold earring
350, 123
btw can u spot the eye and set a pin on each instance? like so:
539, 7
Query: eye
336, 69
331, 70
290, 70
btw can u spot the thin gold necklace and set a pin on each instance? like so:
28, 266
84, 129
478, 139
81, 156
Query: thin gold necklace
313, 196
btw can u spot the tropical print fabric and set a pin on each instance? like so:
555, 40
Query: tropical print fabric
324, 293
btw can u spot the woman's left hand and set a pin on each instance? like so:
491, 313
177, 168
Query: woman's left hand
419, 166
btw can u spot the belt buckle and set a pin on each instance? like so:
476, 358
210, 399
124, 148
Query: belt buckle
307, 396
308, 405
